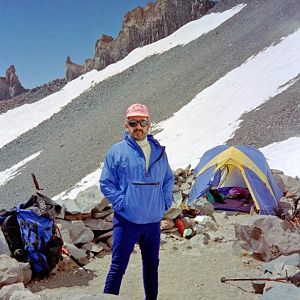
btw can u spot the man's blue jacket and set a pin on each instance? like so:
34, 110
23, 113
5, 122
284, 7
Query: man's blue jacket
139, 196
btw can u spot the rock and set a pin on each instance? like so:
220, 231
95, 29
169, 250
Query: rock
7, 291
109, 242
279, 181
141, 26
241, 248
104, 246
199, 229
10, 85
3, 245
109, 218
179, 172
172, 213
73, 70
292, 185
188, 222
69, 205
103, 214
177, 199
205, 207
176, 189
100, 206
199, 241
24, 295
75, 232
166, 224
270, 284
76, 252
26, 272
98, 224
104, 237
185, 187
92, 247
88, 199
190, 180
215, 236
12, 271
220, 217
282, 291
185, 193
292, 260
268, 236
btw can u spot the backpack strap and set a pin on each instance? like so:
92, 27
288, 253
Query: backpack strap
12, 234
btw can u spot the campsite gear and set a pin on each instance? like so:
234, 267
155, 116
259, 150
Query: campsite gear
214, 196
239, 166
188, 233
295, 279
240, 205
201, 219
35, 182
238, 193
137, 110
66, 252
30, 233
180, 226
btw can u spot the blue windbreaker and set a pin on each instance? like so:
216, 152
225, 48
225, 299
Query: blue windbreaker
139, 196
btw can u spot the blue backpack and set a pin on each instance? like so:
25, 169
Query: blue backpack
31, 236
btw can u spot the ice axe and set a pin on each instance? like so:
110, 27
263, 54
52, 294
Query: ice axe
35, 182
66, 252
295, 279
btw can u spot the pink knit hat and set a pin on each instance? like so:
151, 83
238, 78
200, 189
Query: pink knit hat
137, 110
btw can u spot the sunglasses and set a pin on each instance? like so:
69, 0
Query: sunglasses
134, 123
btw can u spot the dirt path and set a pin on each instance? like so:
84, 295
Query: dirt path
184, 273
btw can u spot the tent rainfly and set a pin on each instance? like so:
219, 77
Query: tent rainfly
239, 166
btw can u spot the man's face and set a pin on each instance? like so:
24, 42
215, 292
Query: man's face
138, 127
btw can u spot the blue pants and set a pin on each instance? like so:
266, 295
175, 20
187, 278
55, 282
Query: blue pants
125, 235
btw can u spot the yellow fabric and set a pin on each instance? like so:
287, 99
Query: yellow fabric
234, 158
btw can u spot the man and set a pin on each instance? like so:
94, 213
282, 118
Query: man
138, 181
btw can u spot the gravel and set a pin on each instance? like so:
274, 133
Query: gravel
75, 140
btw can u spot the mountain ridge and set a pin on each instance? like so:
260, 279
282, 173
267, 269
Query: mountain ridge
141, 26
74, 141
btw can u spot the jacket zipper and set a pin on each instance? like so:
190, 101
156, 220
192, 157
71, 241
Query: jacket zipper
145, 183
160, 156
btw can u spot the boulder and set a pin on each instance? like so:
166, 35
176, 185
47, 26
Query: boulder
12, 271
3, 245
75, 232
172, 213
282, 291
7, 291
267, 236
98, 224
291, 260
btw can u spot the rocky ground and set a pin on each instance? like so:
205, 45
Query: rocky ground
184, 272
223, 244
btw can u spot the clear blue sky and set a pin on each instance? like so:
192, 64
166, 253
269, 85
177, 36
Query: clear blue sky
37, 35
